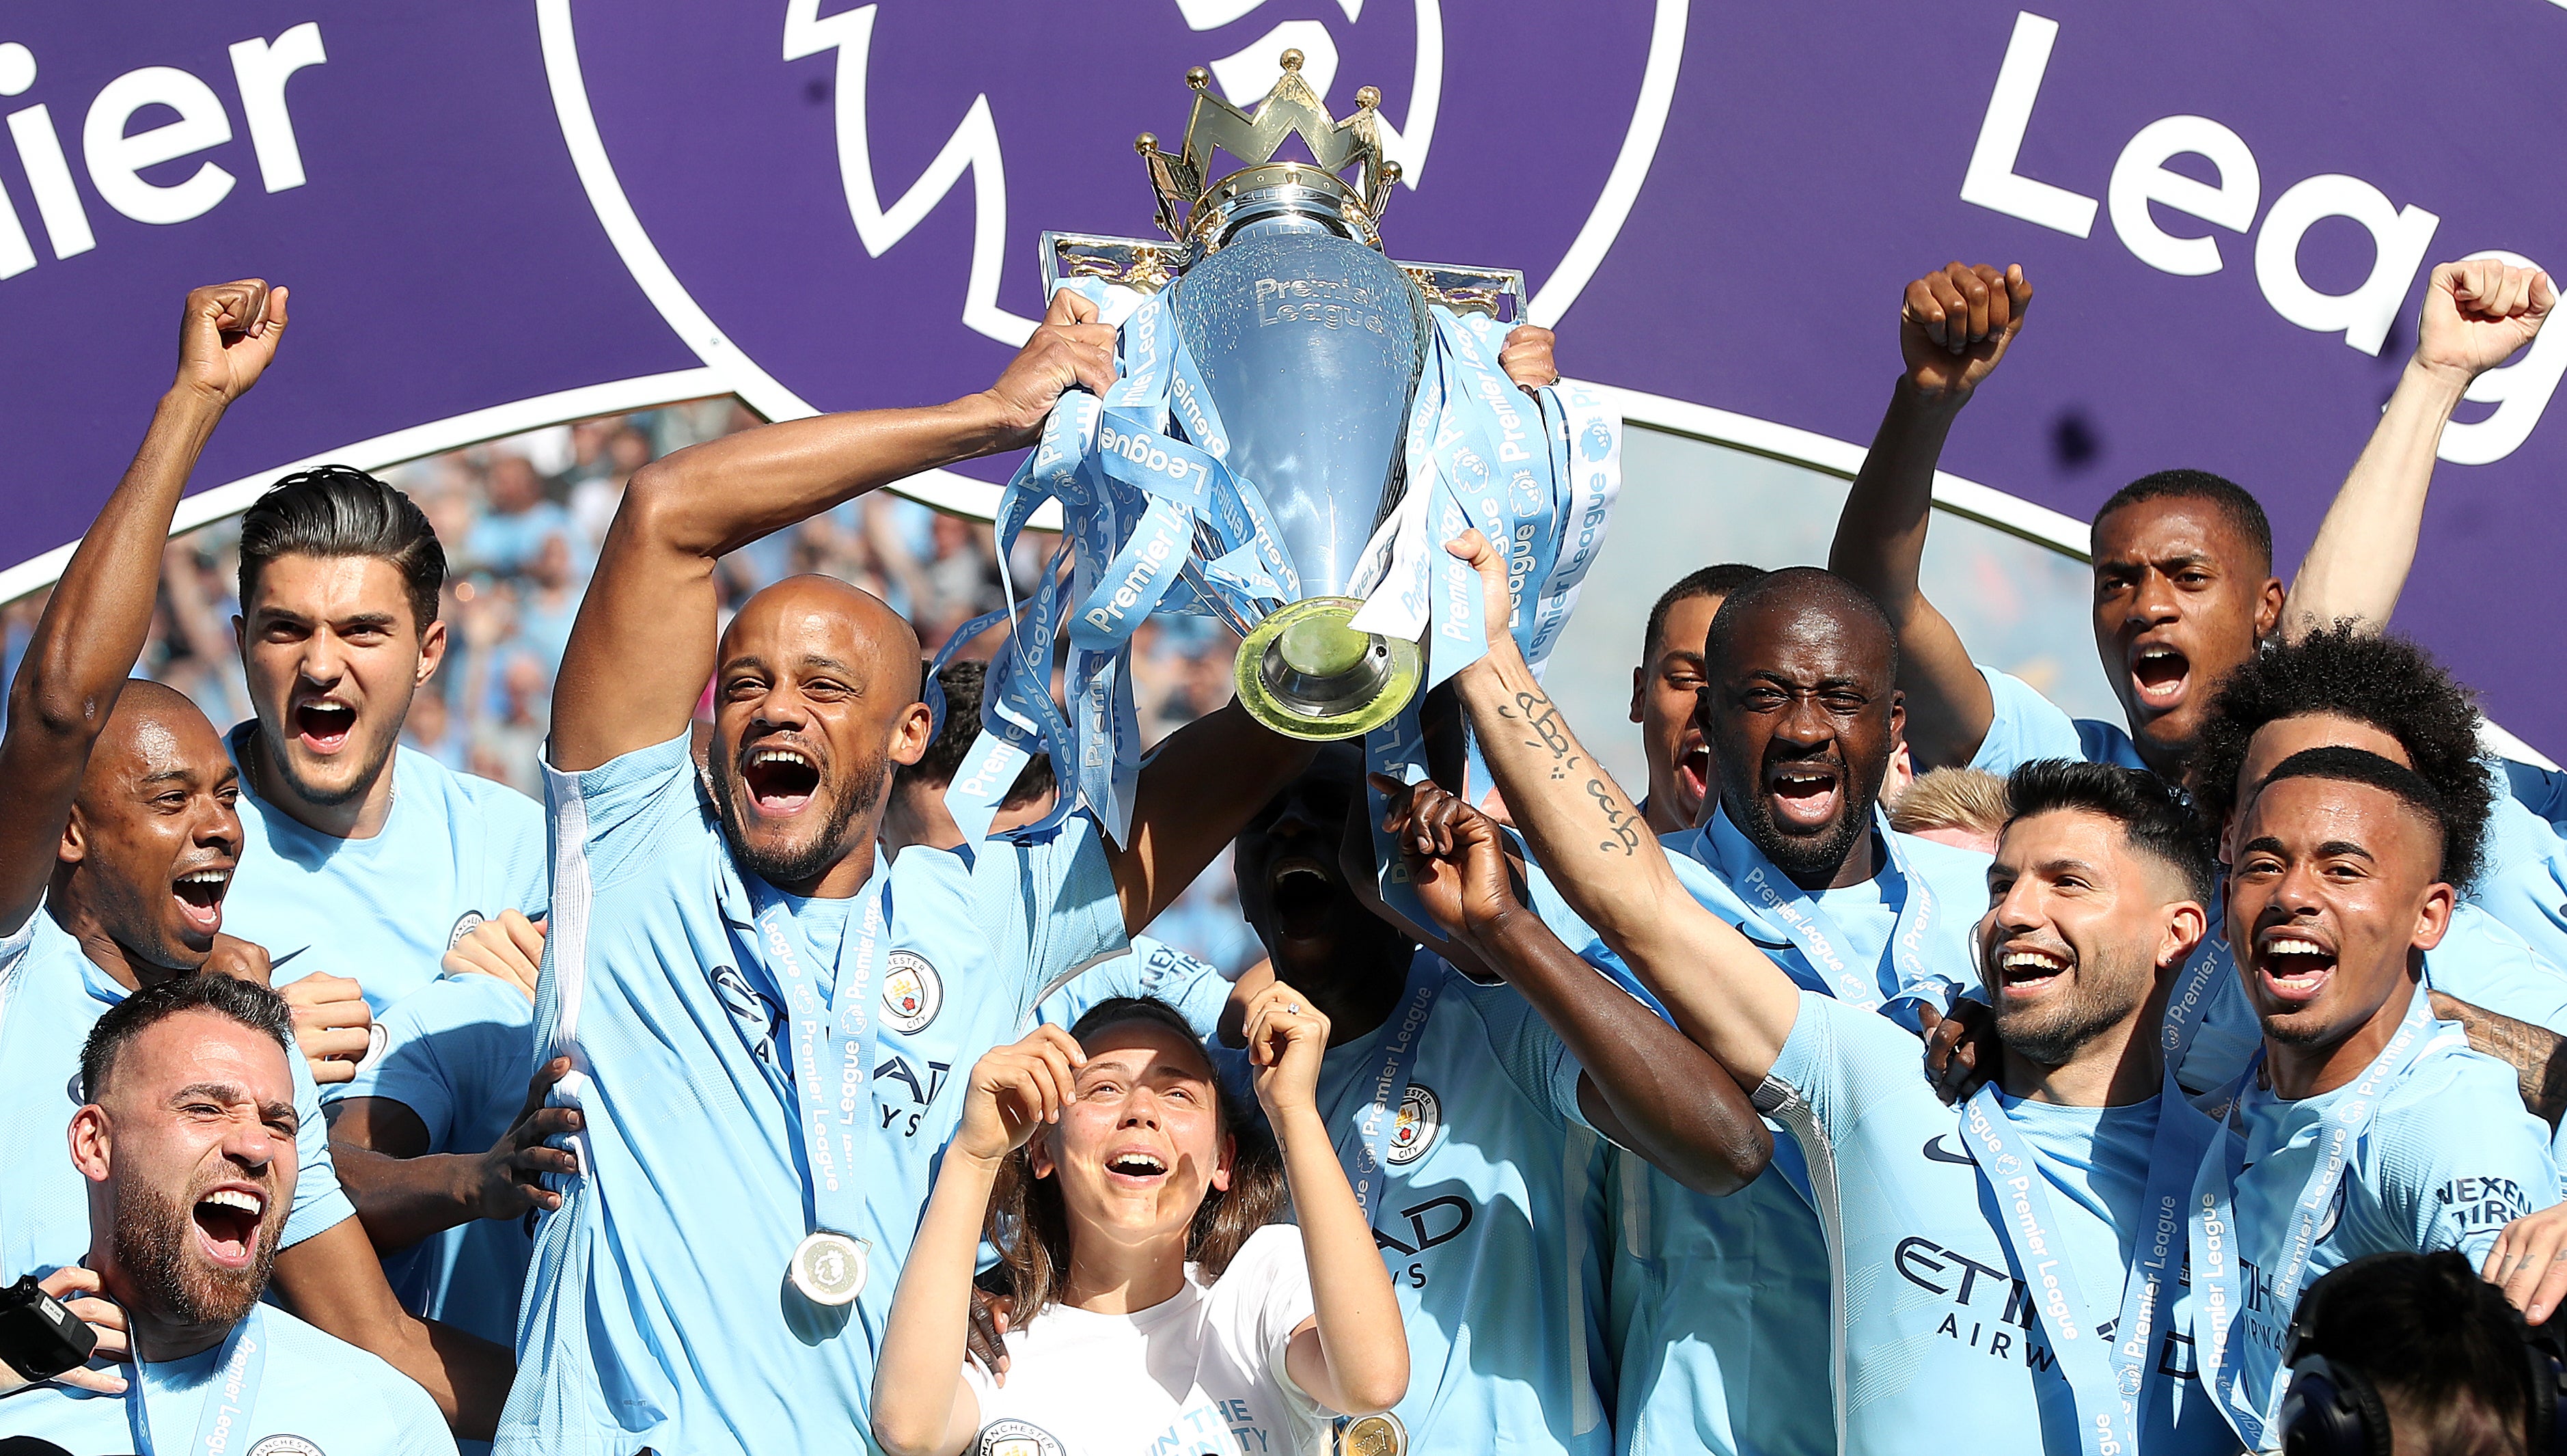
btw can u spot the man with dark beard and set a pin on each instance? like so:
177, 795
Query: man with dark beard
1723, 1347
118, 839
1978, 1252
188, 1143
766, 1021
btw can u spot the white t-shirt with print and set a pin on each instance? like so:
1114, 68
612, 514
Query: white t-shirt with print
1201, 1372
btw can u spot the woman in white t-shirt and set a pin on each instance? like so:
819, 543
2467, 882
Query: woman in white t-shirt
1159, 1306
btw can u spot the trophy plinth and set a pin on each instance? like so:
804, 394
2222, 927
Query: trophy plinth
1305, 674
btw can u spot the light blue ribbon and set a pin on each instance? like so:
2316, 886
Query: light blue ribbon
2216, 1237
1367, 1155
833, 1041
1783, 907
221, 1424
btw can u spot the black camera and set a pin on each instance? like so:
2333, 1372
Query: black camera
39, 1337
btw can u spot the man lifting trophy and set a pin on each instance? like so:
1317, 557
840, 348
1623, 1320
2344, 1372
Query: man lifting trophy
1299, 425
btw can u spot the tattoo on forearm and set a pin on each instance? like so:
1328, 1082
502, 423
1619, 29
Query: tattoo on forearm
1625, 826
1541, 716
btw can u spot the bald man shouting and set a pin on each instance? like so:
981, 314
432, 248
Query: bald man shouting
770, 1021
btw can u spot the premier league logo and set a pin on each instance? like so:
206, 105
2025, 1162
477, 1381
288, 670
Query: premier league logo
878, 246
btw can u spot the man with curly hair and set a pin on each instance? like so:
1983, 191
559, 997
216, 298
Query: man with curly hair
2345, 688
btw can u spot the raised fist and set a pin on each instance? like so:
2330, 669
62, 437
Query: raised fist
227, 336
2477, 312
1956, 323
1527, 357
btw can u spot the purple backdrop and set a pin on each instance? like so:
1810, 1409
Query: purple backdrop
456, 243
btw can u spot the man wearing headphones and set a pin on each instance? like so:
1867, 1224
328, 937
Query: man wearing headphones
2398, 1353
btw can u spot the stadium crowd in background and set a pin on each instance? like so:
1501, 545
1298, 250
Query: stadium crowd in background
1908, 1061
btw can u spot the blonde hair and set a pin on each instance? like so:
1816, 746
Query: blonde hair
1968, 799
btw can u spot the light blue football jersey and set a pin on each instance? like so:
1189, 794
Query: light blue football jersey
1934, 1311
2449, 1159
317, 1396
457, 1051
50, 996
2027, 726
1722, 1326
2523, 881
657, 1310
1152, 967
2480, 961
1491, 1220
456, 850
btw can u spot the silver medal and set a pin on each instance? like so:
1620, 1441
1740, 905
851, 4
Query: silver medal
829, 1268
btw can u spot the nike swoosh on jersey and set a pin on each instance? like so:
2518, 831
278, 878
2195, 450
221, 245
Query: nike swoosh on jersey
1761, 945
1935, 1152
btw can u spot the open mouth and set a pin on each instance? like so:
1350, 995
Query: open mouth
199, 894
2294, 967
2027, 971
323, 724
1301, 891
779, 780
1134, 1165
2159, 676
1693, 769
1806, 794
227, 1220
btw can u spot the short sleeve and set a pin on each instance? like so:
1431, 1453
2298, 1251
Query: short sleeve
611, 817
1527, 1051
1262, 1297
2482, 961
319, 1202
13, 957
2463, 1159
1836, 1063
450, 1050
2023, 726
2541, 791
1049, 901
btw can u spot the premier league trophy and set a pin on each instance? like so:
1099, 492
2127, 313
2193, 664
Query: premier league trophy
1301, 423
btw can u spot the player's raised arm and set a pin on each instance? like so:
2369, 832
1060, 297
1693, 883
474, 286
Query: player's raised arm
1659, 1094
642, 649
1953, 326
2476, 314
93, 627
1589, 836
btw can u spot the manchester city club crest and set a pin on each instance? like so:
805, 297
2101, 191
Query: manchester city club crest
1013, 1437
284, 1445
912, 151
1420, 1115
911, 993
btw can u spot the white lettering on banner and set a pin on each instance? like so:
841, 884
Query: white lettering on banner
2399, 235
116, 160
1991, 181
2140, 177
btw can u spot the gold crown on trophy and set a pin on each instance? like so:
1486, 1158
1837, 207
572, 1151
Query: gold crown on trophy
1290, 108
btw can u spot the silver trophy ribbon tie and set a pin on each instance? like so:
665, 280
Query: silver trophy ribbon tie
1298, 426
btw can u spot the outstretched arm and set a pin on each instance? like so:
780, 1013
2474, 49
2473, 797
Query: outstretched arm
1588, 836
93, 627
2476, 314
1661, 1094
1197, 791
642, 649
1953, 327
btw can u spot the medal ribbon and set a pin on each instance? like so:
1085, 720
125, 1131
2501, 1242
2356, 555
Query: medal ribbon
2108, 1382
228, 1402
1367, 1155
1771, 898
2216, 1237
828, 1036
